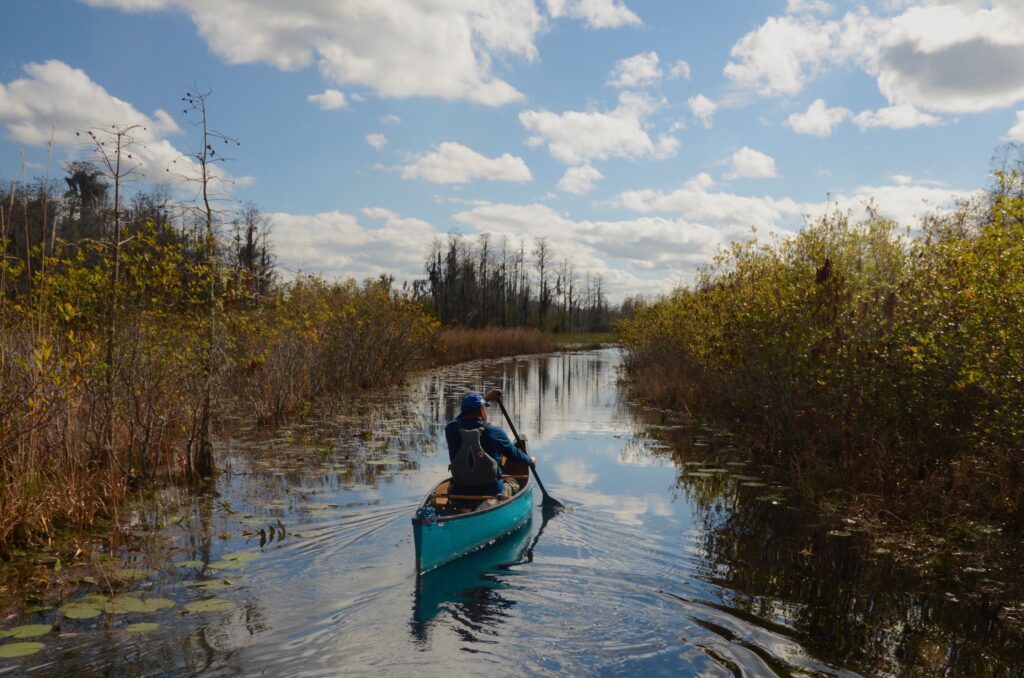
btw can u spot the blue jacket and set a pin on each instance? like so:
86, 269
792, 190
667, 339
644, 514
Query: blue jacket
495, 443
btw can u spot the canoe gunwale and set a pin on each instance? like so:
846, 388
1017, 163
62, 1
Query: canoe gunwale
472, 514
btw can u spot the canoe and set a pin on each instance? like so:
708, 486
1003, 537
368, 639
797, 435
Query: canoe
443, 534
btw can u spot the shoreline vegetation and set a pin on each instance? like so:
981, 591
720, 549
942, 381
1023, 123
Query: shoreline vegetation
883, 369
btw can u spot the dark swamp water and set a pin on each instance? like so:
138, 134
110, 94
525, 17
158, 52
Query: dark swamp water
679, 557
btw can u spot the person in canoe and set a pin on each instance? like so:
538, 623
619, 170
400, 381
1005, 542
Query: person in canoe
476, 448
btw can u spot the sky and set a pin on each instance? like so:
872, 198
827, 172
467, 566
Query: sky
638, 136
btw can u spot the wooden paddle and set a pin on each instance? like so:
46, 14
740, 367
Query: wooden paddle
547, 500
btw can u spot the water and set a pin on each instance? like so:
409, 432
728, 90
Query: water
679, 556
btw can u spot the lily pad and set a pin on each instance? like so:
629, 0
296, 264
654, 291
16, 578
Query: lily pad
11, 650
700, 474
126, 604
839, 533
753, 483
80, 611
142, 627
210, 605
134, 573
27, 631
243, 556
190, 563
746, 479
213, 584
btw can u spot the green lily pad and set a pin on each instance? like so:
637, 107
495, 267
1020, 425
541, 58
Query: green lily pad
27, 631
210, 605
212, 585
227, 565
746, 479
80, 611
700, 474
190, 563
126, 604
11, 650
383, 462
242, 556
142, 627
92, 599
754, 483
839, 533
134, 573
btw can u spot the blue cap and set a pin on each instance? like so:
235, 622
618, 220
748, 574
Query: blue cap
472, 402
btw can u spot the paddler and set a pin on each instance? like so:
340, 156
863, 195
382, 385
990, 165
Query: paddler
476, 448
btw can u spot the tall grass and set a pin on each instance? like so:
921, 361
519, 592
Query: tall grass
457, 344
886, 366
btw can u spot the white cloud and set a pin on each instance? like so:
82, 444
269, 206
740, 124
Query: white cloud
580, 180
703, 109
895, 117
56, 97
391, 119
597, 13
751, 164
577, 137
337, 245
453, 163
1016, 132
819, 119
696, 201
377, 140
329, 100
398, 48
958, 56
906, 200
680, 69
809, 7
639, 70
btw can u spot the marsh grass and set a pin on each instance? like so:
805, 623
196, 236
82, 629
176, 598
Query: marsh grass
457, 345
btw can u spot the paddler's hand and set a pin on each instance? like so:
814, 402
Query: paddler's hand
492, 395
533, 462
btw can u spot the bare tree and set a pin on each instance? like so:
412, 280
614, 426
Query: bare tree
114, 150
203, 161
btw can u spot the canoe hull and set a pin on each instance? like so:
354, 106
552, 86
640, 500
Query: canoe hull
451, 537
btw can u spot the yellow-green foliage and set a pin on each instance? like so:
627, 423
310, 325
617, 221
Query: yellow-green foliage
879, 361
102, 391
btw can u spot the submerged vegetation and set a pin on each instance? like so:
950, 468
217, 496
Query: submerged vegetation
887, 367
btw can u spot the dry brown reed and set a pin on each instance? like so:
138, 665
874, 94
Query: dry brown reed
458, 344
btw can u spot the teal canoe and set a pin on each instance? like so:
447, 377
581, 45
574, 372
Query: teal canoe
442, 534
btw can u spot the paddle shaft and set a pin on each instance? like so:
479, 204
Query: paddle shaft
548, 499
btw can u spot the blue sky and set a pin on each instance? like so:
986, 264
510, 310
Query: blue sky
638, 136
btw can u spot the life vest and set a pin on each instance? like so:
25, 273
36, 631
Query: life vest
471, 466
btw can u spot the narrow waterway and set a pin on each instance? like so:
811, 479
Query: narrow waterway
679, 556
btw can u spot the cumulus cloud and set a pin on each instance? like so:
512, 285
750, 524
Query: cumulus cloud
808, 7
578, 137
895, 117
905, 200
54, 97
751, 164
819, 119
398, 48
596, 13
1016, 132
391, 119
580, 180
329, 100
639, 70
703, 109
955, 57
680, 69
453, 163
338, 245
377, 140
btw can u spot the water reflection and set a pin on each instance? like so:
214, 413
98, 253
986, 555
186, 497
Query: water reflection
682, 557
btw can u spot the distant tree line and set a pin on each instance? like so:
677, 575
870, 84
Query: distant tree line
483, 282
